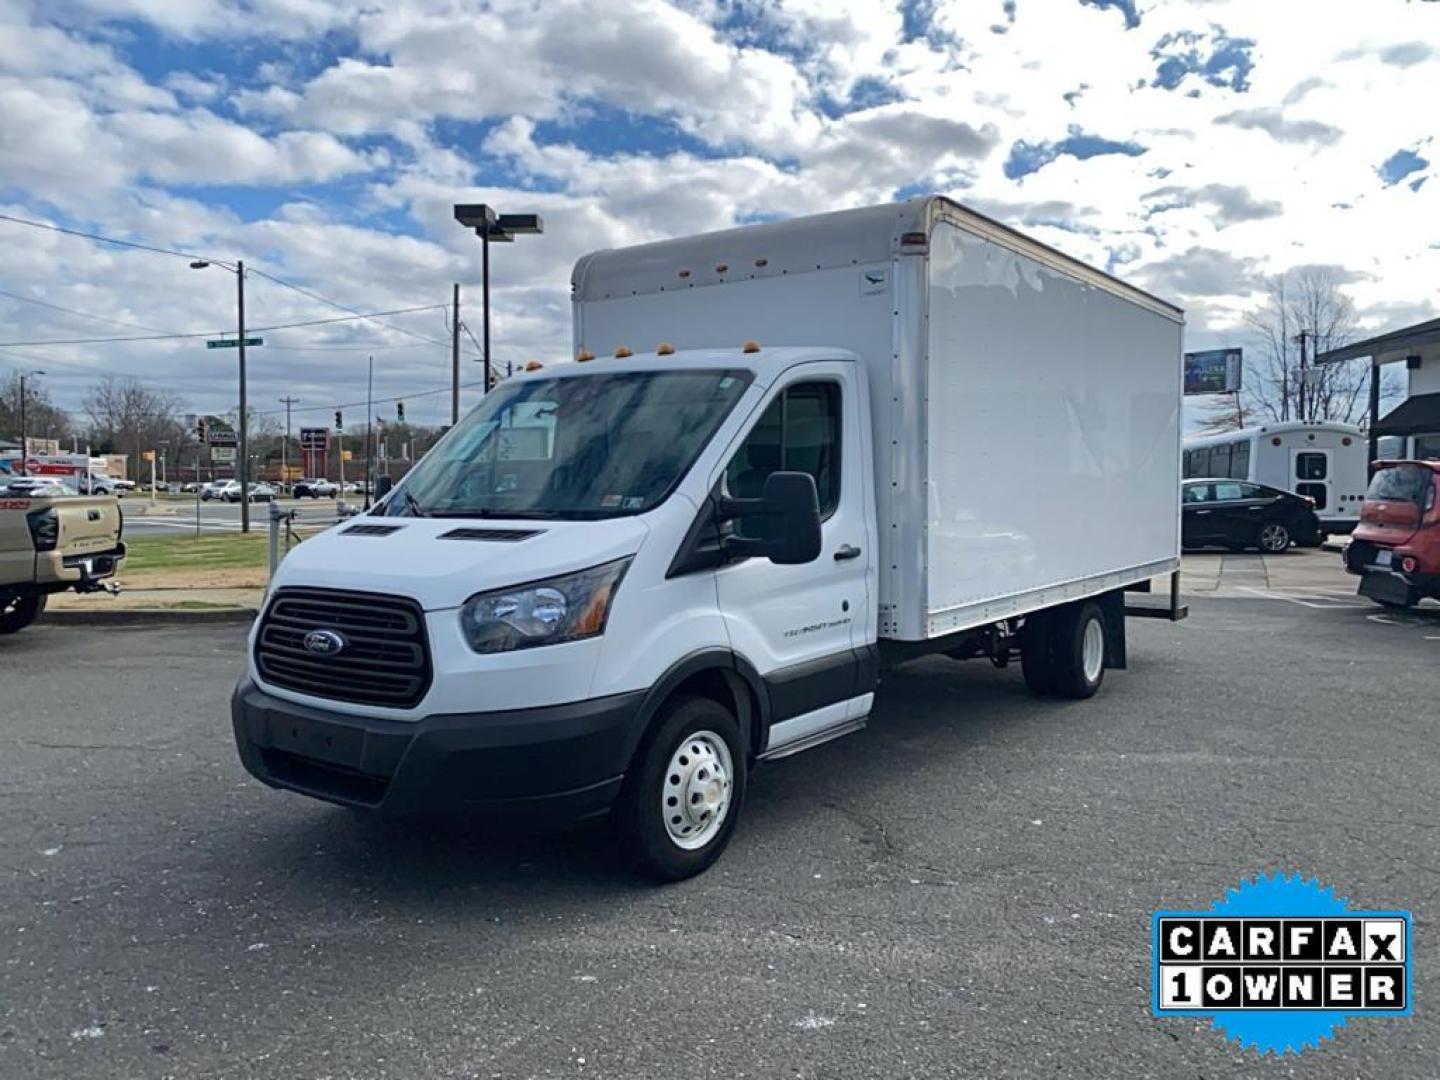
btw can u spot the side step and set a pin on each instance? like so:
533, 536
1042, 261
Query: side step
811, 741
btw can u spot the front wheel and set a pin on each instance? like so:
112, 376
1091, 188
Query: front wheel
1063, 651
1273, 538
19, 610
684, 790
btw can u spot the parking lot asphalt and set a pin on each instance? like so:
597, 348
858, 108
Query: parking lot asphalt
963, 889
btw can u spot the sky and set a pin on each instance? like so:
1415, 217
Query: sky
1190, 146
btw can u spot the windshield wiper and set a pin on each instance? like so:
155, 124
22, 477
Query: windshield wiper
416, 510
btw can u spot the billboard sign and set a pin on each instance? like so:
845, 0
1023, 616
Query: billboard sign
218, 435
222, 455
314, 438
1214, 371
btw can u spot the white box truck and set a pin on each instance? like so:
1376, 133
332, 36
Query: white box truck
839, 442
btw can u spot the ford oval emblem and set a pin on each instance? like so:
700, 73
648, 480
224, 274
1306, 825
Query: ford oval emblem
324, 642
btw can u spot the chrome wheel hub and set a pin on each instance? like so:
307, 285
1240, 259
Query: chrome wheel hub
1092, 655
695, 790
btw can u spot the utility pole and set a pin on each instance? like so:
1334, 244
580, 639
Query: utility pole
24, 442
369, 428
1302, 337
455, 356
287, 401
244, 419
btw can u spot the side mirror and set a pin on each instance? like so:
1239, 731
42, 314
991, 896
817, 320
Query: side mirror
788, 518
383, 484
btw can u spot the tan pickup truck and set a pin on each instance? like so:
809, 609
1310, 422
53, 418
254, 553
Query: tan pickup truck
52, 543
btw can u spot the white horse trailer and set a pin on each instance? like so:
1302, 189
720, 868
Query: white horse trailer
1323, 461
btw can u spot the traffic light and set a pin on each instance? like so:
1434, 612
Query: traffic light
339, 421
202, 429
400, 412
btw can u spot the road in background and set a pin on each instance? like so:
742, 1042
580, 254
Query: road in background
962, 889
172, 516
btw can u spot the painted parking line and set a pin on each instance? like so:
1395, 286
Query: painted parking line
1318, 598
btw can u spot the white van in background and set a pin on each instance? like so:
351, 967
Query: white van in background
1323, 461
620, 582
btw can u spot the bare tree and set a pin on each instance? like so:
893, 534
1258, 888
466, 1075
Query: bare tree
42, 419
1309, 302
128, 417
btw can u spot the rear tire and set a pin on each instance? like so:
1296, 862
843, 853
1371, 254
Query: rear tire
1063, 652
1273, 537
18, 610
683, 792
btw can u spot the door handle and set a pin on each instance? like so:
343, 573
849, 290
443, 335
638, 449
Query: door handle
847, 551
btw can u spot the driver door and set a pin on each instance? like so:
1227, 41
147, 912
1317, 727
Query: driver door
799, 626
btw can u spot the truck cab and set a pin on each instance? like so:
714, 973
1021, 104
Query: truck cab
52, 543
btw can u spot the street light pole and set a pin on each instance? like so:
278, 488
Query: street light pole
455, 357
485, 275
502, 228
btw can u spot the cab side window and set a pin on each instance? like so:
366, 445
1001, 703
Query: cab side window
798, 432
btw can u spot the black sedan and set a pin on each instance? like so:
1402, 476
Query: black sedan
1238, 514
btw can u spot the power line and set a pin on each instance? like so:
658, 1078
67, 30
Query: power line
341, 307
191, 256
111, 240
216, 333
376, 401
74, 311
466, 327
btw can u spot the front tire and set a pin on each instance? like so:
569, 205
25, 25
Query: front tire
1064, 651
1273, 538
19, 610
684, 790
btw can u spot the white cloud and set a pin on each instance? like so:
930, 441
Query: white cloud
743, 109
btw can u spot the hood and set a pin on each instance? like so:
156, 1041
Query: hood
441, 562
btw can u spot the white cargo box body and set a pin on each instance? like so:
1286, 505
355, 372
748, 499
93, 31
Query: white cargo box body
1026, 408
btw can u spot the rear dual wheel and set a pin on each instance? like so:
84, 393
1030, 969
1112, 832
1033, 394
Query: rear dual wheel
1063, 651
683, 793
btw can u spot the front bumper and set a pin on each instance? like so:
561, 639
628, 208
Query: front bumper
545, 765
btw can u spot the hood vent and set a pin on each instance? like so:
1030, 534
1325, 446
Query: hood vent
501, 535
371, 530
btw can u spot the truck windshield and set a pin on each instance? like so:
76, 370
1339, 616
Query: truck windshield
583, 447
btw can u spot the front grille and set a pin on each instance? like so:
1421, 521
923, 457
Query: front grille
384, 661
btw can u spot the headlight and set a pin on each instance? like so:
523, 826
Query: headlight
545, 612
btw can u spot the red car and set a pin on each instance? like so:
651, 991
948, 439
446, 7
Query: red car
1396, 547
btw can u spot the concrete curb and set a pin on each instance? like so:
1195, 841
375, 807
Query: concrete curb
147, 616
